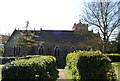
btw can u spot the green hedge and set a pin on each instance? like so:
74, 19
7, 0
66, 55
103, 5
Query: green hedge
7, 59
30, 56
89, 65
42, 68
114, 57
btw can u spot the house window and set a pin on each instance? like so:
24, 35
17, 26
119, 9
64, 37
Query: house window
41, 50
57, 51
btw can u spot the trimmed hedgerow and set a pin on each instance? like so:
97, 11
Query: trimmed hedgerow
42, 68
30, 56
7, 59
89, 65
114, 57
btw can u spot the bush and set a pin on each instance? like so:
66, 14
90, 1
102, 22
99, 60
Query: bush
71, 66
7, 59
114, 57
90, 65
30, 56
42, 68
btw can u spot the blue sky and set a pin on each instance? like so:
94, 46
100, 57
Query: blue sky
48, 14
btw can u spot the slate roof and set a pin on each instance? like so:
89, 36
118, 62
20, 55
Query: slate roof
56, 36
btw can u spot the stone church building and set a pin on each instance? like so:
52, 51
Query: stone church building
57, 43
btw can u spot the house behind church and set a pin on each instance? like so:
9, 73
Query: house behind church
57, 43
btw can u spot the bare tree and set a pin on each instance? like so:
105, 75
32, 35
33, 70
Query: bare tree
102, 14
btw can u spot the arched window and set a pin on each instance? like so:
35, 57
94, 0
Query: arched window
57, 51
14, 51
19, 50
41, 50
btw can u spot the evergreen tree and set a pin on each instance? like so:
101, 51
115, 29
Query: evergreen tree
26, 38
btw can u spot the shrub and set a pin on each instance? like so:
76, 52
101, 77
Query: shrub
42, 68
30, 56
89, 65
7, 59
114, 57
71, 65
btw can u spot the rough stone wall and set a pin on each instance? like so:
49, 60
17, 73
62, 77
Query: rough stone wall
56, 43
80, 27
11, 43
9, 46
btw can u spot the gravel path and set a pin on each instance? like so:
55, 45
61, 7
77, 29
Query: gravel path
62, 76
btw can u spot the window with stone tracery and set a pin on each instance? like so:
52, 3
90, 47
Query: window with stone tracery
41, 50
57, 51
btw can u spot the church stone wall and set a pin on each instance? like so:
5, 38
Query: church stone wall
56, 43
